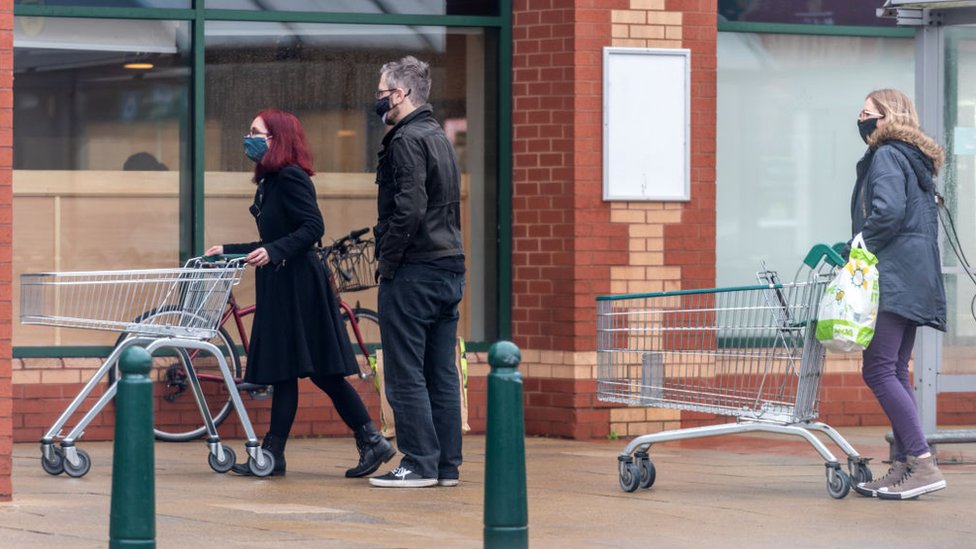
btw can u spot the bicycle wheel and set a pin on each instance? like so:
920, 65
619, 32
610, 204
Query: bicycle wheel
368, 323
175, 412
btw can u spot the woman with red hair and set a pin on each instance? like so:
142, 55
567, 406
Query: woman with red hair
297, 331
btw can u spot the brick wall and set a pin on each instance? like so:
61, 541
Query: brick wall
6, 242
570, 246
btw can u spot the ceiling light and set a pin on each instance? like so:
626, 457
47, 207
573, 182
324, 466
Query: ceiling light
138, 66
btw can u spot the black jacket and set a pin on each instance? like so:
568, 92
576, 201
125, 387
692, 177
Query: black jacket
893, 206
297, 331
419, 198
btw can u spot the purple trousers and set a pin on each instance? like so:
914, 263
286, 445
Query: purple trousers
885, 371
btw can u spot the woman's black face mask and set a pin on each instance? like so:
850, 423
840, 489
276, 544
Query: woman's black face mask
866, 127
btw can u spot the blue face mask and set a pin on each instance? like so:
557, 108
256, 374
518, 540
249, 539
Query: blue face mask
255, 147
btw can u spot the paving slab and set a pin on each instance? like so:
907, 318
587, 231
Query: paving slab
752, 491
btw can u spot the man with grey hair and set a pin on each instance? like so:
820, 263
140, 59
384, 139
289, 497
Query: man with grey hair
421, 273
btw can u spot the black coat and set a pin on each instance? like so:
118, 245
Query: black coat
419, 198
297, 331
893, 206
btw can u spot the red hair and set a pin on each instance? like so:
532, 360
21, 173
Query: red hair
287, 145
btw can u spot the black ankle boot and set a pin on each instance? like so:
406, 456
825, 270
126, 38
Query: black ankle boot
374, 450
275, 445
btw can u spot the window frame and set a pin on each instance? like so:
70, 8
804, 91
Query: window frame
192, 222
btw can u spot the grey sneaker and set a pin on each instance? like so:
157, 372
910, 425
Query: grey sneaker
401, 477
923, 477
893, 476
448, 482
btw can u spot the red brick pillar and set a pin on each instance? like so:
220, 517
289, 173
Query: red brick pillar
6, 242
570, 246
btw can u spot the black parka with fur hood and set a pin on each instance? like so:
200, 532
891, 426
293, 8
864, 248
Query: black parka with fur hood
894, 207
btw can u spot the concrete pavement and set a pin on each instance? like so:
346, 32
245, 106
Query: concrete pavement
735, 491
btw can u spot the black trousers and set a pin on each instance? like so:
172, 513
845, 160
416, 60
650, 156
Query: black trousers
284, 403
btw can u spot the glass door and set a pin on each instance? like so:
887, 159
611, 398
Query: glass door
959, 214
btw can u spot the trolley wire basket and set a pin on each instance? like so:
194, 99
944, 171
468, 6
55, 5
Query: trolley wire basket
191, 299
353, 265
742, 351
747, 352
178, 308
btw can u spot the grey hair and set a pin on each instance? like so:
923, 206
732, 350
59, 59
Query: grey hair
410, 74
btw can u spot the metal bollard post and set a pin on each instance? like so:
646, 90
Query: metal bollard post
133, 515
506, 509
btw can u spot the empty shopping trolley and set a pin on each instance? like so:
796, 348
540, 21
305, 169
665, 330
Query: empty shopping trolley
177, 308
748, 352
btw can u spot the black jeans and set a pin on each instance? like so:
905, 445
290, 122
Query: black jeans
418, 312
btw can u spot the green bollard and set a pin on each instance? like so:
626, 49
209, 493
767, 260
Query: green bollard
133, 518
506, 509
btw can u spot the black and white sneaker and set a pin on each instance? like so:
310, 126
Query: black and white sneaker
401, 477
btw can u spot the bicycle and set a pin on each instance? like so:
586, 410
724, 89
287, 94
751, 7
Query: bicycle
346, 259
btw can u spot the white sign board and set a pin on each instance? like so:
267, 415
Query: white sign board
646, 124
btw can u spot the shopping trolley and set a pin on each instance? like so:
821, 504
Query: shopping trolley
748, 352
185, 306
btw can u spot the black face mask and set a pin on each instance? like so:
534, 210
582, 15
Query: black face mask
866, 127
382, 106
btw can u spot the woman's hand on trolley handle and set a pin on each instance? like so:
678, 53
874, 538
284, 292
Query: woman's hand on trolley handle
257, 258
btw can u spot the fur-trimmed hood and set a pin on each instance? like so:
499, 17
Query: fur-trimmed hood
899, 132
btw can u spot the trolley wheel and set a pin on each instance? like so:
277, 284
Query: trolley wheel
269, 464
862, 473
56, 465
230, 458
647, 472
629, 476
80, 470
838, 484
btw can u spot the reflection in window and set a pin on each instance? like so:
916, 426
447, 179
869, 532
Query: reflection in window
327, 75
807, 12
787, 142
100, 136
178, 4
415, 7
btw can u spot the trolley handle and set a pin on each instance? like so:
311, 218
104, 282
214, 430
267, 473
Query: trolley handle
823, 252
223, 258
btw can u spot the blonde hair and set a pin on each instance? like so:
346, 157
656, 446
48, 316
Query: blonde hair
901, 123
896, 107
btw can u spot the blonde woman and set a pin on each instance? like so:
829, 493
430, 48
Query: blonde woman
893, 206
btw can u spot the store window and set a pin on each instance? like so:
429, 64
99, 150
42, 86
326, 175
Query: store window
327, 75
418, 7
100, 139
787, 141
958, 227
806, 12
109, 3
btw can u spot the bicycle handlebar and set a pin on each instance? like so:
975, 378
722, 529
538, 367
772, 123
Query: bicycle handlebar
352, 237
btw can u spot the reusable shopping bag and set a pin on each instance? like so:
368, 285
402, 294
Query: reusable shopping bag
849, 306
387, 426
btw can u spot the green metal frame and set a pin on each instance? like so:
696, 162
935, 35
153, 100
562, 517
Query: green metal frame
822, 30
191, 238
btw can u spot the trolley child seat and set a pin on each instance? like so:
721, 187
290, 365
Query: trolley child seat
177, 308
747, 352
